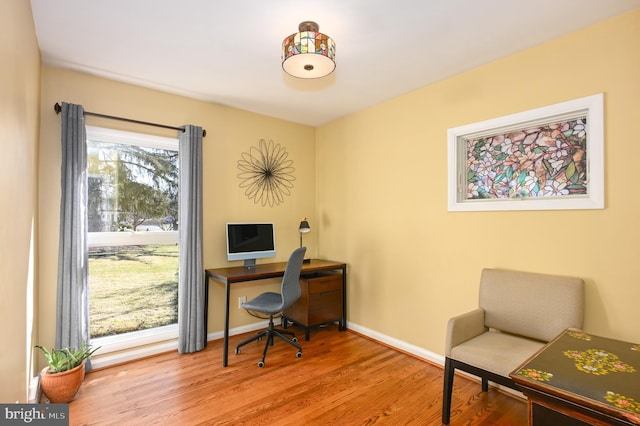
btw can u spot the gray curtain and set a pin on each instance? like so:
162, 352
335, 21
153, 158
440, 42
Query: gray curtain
191, 277
72, 306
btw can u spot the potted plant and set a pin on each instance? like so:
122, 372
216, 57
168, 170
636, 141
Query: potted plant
60, 380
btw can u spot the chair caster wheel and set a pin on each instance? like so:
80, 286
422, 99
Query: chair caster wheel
299, 354
260, 364
294, 339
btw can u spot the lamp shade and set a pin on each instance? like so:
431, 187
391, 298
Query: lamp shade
304, 227
308, 53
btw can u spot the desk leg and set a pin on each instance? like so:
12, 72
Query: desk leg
225, 357
343, 321
206, 309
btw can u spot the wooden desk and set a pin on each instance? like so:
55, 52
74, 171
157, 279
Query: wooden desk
582, 379
238, 274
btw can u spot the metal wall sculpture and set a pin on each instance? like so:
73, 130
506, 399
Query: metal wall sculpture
266, 173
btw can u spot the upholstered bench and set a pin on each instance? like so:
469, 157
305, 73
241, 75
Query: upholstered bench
518, 313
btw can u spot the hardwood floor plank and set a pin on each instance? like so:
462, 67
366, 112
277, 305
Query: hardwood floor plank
342, 379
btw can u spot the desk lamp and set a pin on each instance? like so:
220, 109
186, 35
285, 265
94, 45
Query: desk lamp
303, 229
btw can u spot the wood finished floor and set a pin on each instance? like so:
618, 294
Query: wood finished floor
342, 379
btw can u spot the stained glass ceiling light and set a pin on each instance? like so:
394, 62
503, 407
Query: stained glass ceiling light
308, 53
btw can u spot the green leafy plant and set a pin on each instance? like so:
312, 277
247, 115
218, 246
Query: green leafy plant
64, 359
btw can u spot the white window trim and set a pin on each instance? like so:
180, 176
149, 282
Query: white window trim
102, 134
135, 345
125, 341
130, 238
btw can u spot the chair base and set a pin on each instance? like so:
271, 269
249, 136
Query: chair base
268, 335
450, 366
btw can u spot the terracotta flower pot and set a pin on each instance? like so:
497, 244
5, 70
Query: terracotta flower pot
63, 386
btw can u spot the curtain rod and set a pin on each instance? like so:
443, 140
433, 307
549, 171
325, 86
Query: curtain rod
58, 108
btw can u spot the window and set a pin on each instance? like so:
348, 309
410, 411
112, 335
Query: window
132, 214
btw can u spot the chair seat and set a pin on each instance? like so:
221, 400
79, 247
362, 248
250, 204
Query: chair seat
495, 351
268, 303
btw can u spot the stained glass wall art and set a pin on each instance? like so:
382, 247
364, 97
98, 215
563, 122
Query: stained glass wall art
549, 158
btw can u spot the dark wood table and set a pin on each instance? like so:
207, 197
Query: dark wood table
582, 379
238, 274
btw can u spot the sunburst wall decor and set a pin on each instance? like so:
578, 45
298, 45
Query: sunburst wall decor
266, 173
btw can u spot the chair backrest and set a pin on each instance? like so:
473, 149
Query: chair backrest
538, 306
290, 288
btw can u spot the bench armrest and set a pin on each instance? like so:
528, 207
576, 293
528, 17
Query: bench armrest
464, 327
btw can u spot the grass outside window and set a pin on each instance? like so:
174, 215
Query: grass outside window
132, 288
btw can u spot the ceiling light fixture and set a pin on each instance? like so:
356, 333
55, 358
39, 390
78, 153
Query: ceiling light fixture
308, 53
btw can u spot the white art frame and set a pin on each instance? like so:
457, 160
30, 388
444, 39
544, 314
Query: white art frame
525, 161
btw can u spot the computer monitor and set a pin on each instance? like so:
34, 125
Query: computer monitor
250, 241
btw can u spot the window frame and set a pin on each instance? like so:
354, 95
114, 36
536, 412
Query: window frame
134, 339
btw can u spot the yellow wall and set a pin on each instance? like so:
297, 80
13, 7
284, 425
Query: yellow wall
230, 132
373, 186
382, 193
19, 94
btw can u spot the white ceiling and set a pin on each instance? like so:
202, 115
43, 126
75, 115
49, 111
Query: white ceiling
228, 52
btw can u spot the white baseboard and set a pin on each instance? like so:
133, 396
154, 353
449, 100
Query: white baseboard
422, 353
397, 343
238, 330
35, 393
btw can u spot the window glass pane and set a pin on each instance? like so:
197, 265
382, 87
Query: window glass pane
131, 188
132, 288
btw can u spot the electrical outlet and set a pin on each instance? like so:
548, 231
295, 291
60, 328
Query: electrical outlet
241, 300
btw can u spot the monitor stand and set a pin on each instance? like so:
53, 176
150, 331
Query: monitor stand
249, 263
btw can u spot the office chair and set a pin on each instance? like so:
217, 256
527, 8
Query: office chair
271, 303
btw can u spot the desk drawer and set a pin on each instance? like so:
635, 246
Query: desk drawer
323, 284
325, 306
320, 302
